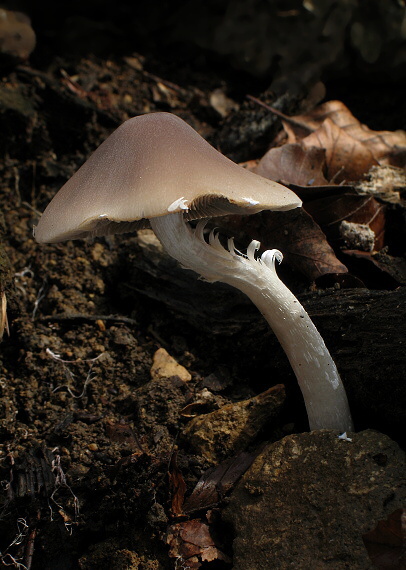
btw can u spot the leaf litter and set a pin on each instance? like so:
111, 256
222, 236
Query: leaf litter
349, 177
195, 541
386, 543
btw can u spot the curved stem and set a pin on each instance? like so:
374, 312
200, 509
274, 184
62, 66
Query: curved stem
317, 375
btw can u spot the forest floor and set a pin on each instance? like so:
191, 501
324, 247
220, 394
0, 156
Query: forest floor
92, 443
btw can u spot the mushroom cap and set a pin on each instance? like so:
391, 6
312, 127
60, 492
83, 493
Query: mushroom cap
152, 165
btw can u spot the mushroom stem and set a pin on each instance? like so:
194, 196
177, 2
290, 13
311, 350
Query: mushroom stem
317, 375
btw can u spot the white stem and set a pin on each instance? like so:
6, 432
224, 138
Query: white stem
321, 386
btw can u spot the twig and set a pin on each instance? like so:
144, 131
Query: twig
164, 82
91, 318
17, 185
30, 207
29, 547
3, 315
280, 114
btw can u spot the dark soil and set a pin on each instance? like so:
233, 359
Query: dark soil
86, 438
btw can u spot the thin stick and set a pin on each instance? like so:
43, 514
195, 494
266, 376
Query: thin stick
280, 114
84, 317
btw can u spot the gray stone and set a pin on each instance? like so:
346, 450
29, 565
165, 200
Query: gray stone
307, 500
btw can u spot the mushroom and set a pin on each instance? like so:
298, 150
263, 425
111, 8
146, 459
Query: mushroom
157, 169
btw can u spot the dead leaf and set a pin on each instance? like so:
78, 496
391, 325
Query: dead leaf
296, 234
17, 37
346, 157
177, 486
341, 116
309, 193
334, 110
217, 481
386, 543
191, 543
385, 146
350, 145
377, 270
348, 206
291, 163
193, 409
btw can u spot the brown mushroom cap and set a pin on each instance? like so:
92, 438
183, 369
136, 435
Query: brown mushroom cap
150, 166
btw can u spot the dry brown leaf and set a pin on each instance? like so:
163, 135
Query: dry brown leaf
355, 143
385, 146
177, 485
293, 164
336, 111
348, 206
377, 270
217, 481
296, 234
386, 544
190, 542
309, 193
346, 157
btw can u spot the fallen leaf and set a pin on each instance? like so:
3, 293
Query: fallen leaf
386, 543
351, 147
346, 157
309, 193
250, 164
334, 110
177, 486
191, 543
341, 116
217, 481
296, 234
348, 206
291, 163
193, 409
377, 270
385, 146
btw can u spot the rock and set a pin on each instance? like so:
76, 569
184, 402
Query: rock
233, 427
164, 366
17, 38
307, 500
